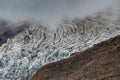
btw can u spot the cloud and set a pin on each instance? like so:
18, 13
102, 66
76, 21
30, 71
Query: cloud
51, 11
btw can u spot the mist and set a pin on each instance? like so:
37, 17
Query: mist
51, 11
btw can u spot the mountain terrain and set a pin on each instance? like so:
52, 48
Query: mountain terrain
101, 62
25, 48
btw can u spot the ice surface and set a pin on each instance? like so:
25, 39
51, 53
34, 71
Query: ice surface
23, 55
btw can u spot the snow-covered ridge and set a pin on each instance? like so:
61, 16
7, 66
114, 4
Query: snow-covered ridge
23, 55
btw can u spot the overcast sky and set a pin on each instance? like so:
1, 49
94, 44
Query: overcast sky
51, 10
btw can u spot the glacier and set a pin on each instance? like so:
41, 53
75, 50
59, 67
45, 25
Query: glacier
22, 55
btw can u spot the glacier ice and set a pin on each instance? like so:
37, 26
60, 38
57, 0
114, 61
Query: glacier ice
23, 55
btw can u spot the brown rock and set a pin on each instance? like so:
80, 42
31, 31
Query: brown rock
101, 62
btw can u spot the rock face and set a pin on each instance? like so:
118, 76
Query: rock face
6, 32
101, 62
22, 55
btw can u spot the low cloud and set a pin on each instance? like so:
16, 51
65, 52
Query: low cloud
51, 11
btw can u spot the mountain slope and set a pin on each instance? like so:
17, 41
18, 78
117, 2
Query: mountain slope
101, 62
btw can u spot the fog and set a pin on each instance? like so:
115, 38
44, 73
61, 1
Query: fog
51, 11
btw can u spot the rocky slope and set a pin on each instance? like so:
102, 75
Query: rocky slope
101, 62
22, 55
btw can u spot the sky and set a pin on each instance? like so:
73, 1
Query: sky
51, 11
